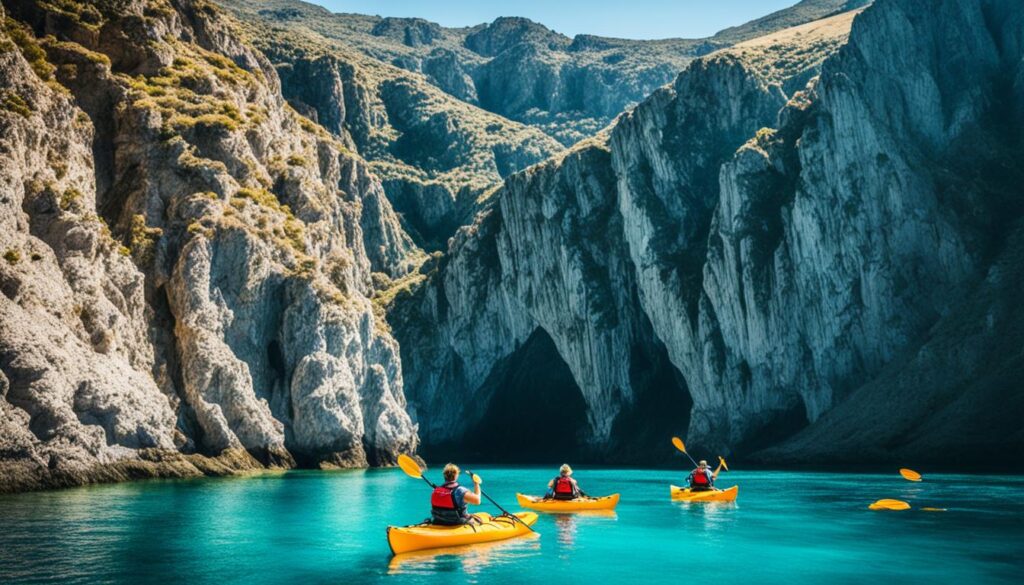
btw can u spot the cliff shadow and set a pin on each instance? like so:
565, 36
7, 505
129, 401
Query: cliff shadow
660, 410
535, 414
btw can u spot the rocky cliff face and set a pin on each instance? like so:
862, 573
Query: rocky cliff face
552, 254
435, 153
929, 258
534, 276
187, 262
782, 248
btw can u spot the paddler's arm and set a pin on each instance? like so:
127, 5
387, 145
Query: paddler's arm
473, 497
714, 475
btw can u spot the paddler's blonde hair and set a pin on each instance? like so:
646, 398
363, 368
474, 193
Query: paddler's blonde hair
451, 472
565, 469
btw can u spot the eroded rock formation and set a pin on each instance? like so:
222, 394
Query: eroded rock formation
225, 311
783, 247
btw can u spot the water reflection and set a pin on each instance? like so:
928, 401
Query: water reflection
567, 525
469, 560
708, 515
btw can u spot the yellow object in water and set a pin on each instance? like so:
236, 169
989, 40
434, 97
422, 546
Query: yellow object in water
910, 474
577, 505
403, 539
889, 504
687, 495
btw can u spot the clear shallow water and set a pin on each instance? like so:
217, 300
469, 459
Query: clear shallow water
329, 527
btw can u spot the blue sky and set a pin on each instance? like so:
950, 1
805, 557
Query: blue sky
633, 19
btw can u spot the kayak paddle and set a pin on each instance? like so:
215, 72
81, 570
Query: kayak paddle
682, 447
477, 480
721, 463
910, 474
412, 469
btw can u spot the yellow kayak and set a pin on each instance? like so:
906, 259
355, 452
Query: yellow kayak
577, 505
685, 495
889, 504
404, 539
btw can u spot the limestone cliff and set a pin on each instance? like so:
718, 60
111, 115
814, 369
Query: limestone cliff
551, 254
535, 274
187, 261
782, 247
435, 151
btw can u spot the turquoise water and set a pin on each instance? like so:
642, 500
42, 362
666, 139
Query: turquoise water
329, 527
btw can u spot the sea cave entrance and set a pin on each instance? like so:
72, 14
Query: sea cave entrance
535, 414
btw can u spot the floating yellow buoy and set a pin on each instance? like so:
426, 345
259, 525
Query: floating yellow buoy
889, 504
910, 474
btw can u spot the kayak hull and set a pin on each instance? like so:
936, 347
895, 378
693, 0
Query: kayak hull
889, 504
685, 495
566, 506
404, 539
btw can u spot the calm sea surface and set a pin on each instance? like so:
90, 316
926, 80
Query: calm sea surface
329, 527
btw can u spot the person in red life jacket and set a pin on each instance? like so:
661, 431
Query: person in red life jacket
564, 487
448, 502
702, 479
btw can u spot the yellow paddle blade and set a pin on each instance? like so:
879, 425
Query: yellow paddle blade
679, 444
721, 461
409, 466
910, 474
888, 504
476, 478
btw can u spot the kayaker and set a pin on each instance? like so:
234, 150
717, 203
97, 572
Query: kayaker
702, 479
448, 502
563, 487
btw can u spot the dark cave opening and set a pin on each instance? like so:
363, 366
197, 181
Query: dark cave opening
537, 415
536, 412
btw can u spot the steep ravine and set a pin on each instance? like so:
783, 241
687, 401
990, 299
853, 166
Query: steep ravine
782, 250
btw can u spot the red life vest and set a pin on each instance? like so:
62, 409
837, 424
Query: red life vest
699, 478
563, 486
444, 496
443, 509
